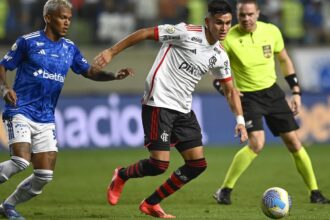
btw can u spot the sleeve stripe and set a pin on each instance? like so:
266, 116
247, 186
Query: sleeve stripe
226, 79
156, 34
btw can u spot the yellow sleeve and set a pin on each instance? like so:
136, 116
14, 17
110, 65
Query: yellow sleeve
278, 39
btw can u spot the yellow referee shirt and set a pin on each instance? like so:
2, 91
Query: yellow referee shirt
252, 55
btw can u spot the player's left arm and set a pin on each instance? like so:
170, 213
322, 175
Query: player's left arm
233, 98
100, 75
8, 94
105, 57
290, 76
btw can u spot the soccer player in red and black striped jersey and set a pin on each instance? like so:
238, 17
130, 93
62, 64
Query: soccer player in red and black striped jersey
188, 53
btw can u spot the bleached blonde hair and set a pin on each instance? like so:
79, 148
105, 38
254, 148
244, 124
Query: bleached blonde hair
54, 5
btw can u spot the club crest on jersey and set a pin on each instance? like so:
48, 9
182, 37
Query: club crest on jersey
170, 29
14, 47
164, 136
267, 49
212, 62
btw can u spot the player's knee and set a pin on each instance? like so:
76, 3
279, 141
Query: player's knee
11, 167
156, 167
191, 169
38, 180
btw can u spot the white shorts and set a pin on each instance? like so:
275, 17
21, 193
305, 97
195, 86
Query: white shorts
41, 136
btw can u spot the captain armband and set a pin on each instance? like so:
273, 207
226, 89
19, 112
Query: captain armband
292, 80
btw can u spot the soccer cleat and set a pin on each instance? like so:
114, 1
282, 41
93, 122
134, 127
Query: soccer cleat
10, 212
154, 210
115, 187
223, 196
317, 197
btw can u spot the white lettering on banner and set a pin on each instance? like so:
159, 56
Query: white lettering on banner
315, 122
78, 127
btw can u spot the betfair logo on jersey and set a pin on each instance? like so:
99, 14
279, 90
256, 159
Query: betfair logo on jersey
267, 49
190, 69
52, 76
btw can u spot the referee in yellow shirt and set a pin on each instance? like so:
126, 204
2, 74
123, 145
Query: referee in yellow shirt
251, 46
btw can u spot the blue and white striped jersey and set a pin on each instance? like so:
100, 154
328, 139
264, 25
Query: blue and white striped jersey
42, 66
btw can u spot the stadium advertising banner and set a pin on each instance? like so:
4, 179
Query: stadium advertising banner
115, 121
313, 68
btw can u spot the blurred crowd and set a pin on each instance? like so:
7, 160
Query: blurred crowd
303, 22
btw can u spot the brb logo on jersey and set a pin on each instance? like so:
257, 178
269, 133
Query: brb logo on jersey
52, 76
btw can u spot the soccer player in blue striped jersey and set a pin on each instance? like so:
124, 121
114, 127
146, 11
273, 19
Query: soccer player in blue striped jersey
42, 59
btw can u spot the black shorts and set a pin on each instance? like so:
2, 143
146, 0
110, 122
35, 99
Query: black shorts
271, 104
165, 127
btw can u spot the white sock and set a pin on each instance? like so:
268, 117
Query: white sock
10, 167
30, 187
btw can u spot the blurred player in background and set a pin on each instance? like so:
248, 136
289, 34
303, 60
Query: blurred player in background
251, 46
42, 59
188, 52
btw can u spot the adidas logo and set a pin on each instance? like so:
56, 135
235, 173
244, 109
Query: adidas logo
42, 52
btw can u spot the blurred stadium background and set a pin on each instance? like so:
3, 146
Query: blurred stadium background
107, 115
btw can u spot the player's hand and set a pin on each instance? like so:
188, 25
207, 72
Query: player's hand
240, 131
123, 73
102, 59
10, 97
295, 104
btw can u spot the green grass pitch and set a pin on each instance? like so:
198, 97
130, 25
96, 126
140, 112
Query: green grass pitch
78, 190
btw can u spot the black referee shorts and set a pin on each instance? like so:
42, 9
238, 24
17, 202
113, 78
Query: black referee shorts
165, 127
271, 104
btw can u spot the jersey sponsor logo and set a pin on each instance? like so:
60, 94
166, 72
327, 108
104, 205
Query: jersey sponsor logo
170, 37
212, 61
217, 50
189, 68
84, 60
52, 76
267, 49
170, 29
197, 39
194, 51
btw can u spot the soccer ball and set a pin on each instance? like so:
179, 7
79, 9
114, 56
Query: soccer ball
276, 203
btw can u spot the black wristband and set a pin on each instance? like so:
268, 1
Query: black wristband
292, 80
296, 93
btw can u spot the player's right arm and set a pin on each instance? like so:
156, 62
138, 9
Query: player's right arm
10, 62
234, 101
105, 57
